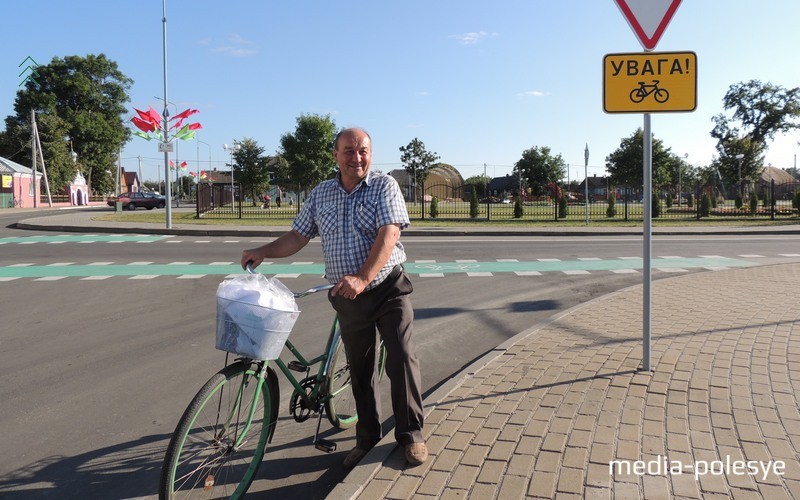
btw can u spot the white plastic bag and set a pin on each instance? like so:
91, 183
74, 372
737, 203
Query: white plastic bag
254, 316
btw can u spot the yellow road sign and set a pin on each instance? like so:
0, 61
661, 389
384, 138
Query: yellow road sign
649, 82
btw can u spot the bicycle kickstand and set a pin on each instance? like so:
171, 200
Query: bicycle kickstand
319, 443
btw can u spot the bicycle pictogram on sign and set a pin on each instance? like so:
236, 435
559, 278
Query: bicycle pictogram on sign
643, 90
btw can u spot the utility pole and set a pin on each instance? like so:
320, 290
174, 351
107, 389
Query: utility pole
167, 187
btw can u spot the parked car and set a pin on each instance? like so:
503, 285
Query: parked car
134, 200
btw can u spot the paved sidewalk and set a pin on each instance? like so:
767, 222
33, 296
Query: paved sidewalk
545, 414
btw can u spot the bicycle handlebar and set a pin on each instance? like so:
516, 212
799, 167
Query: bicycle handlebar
319, 288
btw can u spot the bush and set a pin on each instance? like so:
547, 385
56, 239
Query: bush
705, 205
796, 202
669, 201
611, 211
739, 203
518, 208
690, 200
753, 203
473, 203
563, 207
434, 207
656, 213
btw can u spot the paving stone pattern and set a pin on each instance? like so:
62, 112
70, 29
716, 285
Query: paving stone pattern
545, 418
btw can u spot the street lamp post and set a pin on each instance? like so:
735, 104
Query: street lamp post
739, 159
586, 181
236, 147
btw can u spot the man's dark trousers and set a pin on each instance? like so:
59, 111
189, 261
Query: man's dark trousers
387, 306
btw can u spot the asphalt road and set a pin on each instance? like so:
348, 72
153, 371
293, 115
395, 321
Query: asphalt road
96, 371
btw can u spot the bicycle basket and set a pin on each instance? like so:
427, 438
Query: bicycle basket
249, 328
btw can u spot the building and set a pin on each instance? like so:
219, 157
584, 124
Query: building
444, 182
17, 188
504, 187
598, 188
785, 183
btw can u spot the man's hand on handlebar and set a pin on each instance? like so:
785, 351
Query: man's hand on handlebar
251, 257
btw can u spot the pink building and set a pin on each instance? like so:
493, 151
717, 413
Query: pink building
16, 185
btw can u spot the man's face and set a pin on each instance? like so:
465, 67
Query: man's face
353, 154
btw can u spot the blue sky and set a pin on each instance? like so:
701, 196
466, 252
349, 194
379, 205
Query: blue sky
478, 82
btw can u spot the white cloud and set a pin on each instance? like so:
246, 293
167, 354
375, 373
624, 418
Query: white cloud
533, 93
237, 46
423, 93
472, 37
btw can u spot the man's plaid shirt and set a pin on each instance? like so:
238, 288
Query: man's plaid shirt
348, 223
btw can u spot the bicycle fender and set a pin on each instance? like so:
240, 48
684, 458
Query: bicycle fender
275, 395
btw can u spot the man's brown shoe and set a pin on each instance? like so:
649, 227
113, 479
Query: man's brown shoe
355, 456
416, 453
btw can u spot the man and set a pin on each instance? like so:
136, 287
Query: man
359, 216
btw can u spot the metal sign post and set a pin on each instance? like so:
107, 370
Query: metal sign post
647, 246
645, 83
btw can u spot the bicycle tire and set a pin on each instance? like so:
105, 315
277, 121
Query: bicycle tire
341, 405
200, 461
637, 96
661, 96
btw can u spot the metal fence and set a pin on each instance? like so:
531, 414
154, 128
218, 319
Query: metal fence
445, 202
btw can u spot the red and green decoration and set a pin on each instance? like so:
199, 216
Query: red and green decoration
151, 125
183, 166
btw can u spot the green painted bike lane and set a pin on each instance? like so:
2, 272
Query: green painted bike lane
419, 268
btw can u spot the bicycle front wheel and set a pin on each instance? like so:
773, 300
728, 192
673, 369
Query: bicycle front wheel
341, 404
219, 442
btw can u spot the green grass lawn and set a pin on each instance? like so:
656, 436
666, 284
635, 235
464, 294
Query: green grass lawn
188, 217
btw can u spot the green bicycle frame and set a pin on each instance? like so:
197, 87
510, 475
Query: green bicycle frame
324, 368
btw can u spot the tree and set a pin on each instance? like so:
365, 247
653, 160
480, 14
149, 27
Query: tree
82, 98
479, 182
307, 154
625, 164
757, 111
251, 168
473, 203
538, 168
417, 162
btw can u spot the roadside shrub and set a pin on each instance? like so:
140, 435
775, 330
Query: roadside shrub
473, 203
656, 213
690, 200
714, 201
705, 205
563, 207
518, 208
739, 203
434, 207
753, 203
669, 201
611, 210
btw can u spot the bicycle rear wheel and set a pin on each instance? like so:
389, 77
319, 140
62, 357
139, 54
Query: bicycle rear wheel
341, 405
220, 440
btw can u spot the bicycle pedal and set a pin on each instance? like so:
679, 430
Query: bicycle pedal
296, 366
325, 445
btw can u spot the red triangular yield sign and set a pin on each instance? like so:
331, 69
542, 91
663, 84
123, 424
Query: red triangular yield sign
648, 18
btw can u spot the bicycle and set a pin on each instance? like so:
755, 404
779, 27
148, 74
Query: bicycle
660, 95
220, 441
